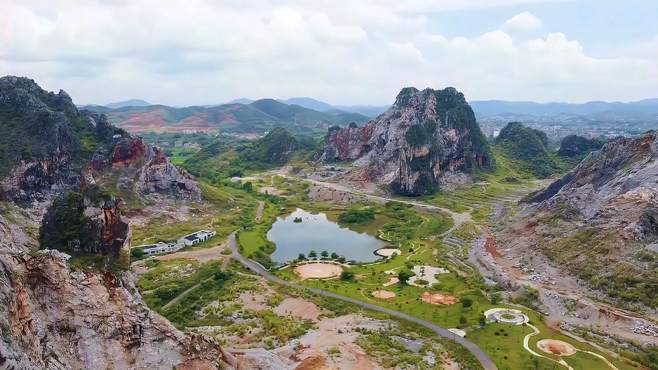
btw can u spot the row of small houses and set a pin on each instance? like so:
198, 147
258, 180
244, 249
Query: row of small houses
187, 240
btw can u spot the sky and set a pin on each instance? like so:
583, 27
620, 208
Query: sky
358, 52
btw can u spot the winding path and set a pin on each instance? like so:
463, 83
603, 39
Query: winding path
482, 357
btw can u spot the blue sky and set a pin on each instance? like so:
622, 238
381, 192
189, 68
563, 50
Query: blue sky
345, 52
603, 26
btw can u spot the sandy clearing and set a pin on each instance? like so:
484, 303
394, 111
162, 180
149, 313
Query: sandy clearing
438, 298
391, 281
270, 190
298, 307
383, 294
556, 347
318, 270
201, 255
256, 301
388, 252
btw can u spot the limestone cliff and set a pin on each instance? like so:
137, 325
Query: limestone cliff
53, 315
422, 137
48, 147
599, 222
149, 172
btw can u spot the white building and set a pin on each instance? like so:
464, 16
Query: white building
160, 247
197, 237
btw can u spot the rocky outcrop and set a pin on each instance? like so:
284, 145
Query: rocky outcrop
58, 318
150, 172
600, 222
623, 170
48, 147
423, 136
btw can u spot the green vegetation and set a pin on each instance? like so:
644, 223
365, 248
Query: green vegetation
529, 147
577, 147
223, 159
357, 215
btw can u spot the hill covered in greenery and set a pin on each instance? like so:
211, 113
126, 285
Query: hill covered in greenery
528, 149
577, 147
223, 159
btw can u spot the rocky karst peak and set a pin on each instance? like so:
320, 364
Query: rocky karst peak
412, 146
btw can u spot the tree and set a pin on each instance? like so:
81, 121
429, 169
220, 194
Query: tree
324, 254
312, 254
301, 257
334, 256
341, 259
404, 275
248, 187
466, 302
137, 253
347, 276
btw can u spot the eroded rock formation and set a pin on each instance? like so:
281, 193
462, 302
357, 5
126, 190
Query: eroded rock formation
150, 172
423, 136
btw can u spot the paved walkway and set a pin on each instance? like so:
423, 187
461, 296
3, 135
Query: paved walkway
259, 210
482, 357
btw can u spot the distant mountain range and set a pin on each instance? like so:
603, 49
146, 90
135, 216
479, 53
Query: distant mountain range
128, 103
242, 117
642, 110
307, 115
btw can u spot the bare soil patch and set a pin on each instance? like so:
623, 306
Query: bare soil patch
298, 307
490, 246
271, 190
202, 255
318, 271
388, 252
391, 281
316, 362
383, 294
556, 347
438, 298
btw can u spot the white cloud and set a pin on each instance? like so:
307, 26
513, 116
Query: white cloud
524, 22
203, 51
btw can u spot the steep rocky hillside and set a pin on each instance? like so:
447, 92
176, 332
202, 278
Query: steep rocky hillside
256, 117
56, 316
413, 145
600, 222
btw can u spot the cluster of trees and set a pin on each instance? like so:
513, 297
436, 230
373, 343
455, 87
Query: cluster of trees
357, 215
323, 255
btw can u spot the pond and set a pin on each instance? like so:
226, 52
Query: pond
302, 232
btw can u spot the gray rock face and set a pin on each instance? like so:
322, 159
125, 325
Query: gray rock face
57, 318
410, 147
150, 172
55, 148
623, 172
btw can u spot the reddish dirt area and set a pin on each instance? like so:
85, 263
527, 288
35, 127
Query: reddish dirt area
556, 347
490, 246
383, 294
313, 363
438, 298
